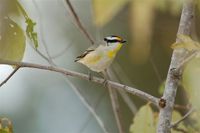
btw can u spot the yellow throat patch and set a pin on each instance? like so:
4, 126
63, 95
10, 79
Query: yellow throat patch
113, 52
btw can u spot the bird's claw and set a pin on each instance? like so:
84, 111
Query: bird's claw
89, 76
105, 82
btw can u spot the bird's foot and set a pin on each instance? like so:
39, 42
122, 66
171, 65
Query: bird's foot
105, 82
89, 76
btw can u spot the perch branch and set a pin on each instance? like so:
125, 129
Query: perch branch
115, 85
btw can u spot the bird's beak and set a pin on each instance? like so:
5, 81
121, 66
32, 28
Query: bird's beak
123, 41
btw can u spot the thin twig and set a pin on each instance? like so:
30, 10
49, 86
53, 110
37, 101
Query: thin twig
182, 107
115, 105
187, 59
180, 130
10, 75
66, 72
123, 94
116, 109
175, 124
78, 22
128, 101
88, 106
173, 77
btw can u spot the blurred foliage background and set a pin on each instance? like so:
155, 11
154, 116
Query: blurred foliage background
44, 102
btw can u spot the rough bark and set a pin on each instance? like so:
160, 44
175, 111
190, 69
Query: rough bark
173, 76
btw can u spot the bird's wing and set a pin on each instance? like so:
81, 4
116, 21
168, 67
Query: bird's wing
90, 49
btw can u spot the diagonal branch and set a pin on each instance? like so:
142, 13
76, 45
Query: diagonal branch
10, 75
114, 85
173, 77
78, 22
183, 118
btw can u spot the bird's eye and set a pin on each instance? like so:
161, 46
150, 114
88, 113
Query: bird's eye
105, 39
113, 41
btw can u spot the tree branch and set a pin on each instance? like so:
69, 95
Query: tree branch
10, 75
173, 77
115, 85
78, 22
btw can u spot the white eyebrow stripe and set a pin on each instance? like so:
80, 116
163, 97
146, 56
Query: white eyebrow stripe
112, 38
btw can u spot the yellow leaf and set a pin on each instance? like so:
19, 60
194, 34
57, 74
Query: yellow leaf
5, 125
175, 117
191, 81
142, 16
194, 127
12, 41
186, 42
144, 121
105, 10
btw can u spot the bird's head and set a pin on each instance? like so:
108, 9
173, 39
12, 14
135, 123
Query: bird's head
113, 39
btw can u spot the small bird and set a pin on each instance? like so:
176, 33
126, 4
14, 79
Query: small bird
100, 58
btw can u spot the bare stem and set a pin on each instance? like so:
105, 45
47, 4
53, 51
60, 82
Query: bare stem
10, 75
115, 105
175, 124
126, 98
78, 22
185, 27
186, 60
182, 107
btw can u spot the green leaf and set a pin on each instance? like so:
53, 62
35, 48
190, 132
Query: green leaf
12, 41
30, 31
144, 121
105, 10
32, 35
186, 42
